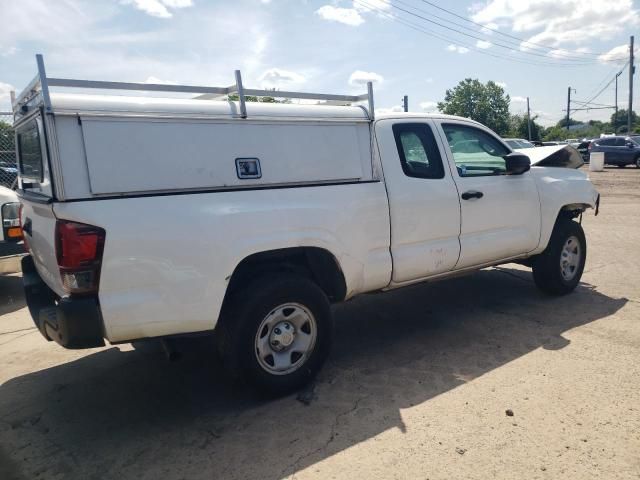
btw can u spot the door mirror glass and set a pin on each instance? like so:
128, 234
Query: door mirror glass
516, 163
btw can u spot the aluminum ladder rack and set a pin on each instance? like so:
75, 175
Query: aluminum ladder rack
41, 83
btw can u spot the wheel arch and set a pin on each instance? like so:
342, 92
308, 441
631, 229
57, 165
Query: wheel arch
316, 263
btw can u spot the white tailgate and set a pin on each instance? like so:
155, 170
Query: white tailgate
41, 221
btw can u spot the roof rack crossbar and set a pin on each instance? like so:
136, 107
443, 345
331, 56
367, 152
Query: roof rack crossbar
149, 87
42, 82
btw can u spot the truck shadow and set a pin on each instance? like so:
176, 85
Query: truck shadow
131, 414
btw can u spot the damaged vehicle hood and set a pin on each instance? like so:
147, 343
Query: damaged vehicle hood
553, 156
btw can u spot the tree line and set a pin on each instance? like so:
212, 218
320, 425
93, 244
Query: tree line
488, 104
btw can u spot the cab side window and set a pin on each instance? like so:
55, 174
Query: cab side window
418, 150
475, 152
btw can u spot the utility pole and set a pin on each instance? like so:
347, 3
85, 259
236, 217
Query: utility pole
615, 117
568, 107
405, 103
632, 69
528, 119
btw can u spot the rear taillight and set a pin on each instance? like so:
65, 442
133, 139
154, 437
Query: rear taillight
79, 250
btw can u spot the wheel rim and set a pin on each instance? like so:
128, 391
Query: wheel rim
638, 162
570, 258
285, 339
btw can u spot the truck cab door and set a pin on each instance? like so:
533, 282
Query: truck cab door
500, 214
423, 200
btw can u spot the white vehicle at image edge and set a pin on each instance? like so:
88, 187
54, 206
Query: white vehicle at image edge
9, 213
10, 231
153, 217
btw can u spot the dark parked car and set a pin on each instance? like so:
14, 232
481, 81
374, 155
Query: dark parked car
583, 148
620, 151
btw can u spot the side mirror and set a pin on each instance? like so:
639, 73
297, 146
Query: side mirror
630, 144
516, 163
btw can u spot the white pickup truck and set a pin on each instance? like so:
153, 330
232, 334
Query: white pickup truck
154, 217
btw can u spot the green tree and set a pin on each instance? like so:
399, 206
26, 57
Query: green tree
520, 129
555, 133
563, 122
485, 103
621, 120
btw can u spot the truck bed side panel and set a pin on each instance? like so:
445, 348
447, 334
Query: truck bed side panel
168, 259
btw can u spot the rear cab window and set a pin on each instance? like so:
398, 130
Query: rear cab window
30, 161
475, 152
418, 150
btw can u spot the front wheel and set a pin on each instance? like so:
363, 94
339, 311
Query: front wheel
276, 333
557, 270
637, 162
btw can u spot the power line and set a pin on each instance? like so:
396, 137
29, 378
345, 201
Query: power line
509, 44
501, 33
455, 41
508, 47
604, 88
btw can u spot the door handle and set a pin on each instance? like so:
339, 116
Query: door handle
471, 194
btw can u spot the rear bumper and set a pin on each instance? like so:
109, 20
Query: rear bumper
73, 322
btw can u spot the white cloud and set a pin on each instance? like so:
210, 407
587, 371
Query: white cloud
375, 5
429, 80
618, 54
8, 51
158, 8
489, 28
518, 99
457, 48
348, 16
429, 106
158, 81
360, 78
483, 44
394, 109
5, 102
276, 77
558, 22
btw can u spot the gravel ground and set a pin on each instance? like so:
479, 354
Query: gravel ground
475, 377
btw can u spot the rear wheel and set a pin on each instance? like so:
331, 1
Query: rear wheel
637, 161
558, 269
276, 333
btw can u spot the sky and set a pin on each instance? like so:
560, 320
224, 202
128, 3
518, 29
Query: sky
419, 48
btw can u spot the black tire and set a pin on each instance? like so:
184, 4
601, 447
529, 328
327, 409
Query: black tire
244, 315
637, 161
547, 271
